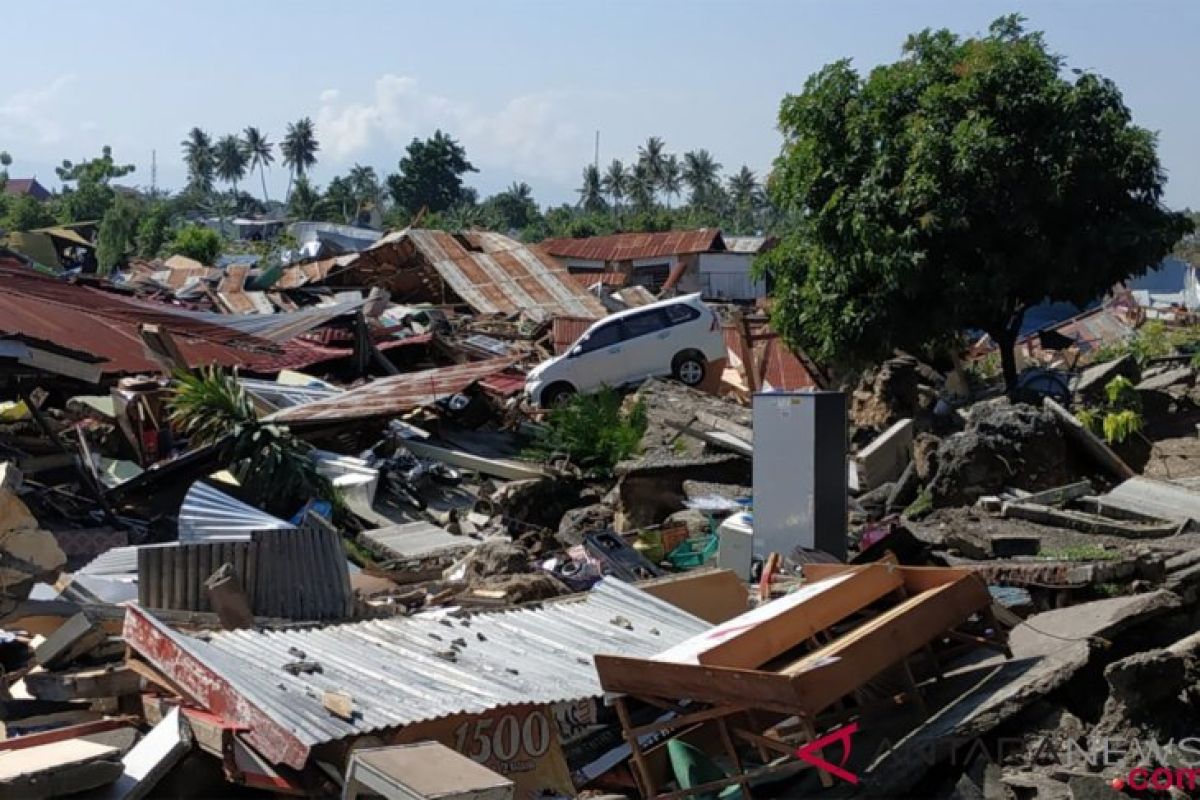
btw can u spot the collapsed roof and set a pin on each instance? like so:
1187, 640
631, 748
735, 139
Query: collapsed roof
489, 272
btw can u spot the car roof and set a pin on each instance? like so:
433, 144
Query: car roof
689, 299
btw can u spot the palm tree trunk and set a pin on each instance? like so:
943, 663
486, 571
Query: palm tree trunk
288, 196
262, 173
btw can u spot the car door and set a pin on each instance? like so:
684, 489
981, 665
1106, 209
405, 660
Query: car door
599, 358
647, 342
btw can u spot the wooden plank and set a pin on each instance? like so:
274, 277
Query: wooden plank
782, 624
822, 678
713, 595
915, 579
499, 467
716, 685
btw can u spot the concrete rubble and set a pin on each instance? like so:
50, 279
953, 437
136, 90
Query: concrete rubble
449, 588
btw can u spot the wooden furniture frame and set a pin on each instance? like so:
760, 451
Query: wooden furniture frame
799, 656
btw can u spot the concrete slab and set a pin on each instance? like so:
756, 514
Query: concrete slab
56, 769
1048, 649
145, 765
884, 460
91, 682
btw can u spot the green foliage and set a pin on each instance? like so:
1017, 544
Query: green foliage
276, 469
593, 431
260, 151
1154, 339
118, 234
24, 213
921, 507
956, 188
512, 209
152, 231
306, 202
86, 193
230, 159
299, 147
1120, 417
200, 160
430, 175
198, 242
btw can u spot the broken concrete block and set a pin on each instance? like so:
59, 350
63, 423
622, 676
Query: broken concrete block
57, 769
883, 460
10, 476
1091, 381
1179, 376
91, 682
77, 636
31, 555
1012, 545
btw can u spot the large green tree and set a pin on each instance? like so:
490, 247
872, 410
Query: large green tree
86, 193
200, 160
430, 175
299, 148
261, 153
231, 160
118, 233
956, 188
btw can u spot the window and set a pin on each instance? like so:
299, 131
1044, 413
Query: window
644, 324
679, 313
604, 336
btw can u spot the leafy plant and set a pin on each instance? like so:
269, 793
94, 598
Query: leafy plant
198, 242
1120, 417
276, 469
593, 431
1080, 553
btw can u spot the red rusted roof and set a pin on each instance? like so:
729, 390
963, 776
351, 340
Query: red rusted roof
783, 371
394, 395
29, 186
68, 317
632, 246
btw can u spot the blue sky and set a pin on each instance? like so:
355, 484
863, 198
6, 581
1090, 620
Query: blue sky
524, 84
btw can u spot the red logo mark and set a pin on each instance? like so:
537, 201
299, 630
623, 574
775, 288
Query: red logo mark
809, 753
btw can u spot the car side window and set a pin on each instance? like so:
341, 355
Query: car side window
645, 323
679, 313
604, 336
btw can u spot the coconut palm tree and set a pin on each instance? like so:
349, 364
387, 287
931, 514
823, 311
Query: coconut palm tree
306, 201
231, 160
746, 196
641, 187
260, 152
364, 188
615, 183
653, 155
340, 195
591, 193
299, 148
198, 157
700, 171
671, 179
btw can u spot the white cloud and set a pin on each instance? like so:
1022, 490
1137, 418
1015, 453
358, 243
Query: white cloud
529, 134
35, 116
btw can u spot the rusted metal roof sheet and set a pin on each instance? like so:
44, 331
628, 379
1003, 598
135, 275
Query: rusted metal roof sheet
104, 325
401, 671
566, 331
633, 246
394, 395
590, 279
496, 274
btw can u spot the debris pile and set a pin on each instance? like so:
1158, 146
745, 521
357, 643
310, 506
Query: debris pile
290, 529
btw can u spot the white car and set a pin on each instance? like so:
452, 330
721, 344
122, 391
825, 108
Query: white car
679, 337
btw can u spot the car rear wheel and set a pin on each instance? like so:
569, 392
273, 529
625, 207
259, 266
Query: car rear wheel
689, 369
557, 394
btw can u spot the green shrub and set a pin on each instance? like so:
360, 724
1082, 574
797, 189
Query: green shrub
1120, 417
593, 431
198, 242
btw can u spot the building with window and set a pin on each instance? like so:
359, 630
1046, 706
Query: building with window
681, 262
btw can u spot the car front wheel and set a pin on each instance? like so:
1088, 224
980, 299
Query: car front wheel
689, 369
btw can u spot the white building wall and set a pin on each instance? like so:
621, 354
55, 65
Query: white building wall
727, 276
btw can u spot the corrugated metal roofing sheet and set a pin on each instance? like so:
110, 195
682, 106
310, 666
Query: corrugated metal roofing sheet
502, 275
208, 515
92, 322
398, 670
393, 395
631, 246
